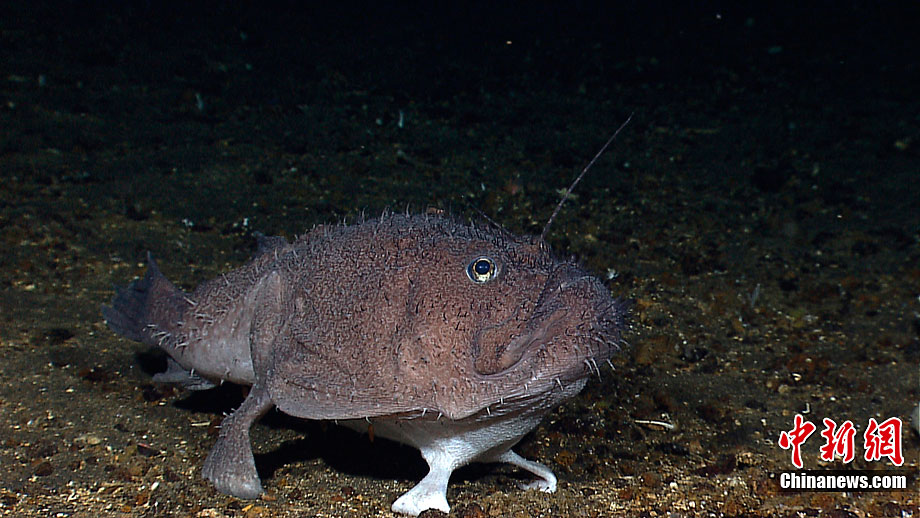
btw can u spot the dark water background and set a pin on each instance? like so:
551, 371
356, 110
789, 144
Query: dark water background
762, 209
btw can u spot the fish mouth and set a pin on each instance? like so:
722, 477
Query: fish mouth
574, 322
577, 323
508, 354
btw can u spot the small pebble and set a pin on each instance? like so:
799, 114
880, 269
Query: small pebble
43, 469
89, 439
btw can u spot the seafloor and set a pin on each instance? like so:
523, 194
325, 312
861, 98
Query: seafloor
762, 210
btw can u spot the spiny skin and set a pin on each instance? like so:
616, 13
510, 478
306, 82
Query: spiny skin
381, 322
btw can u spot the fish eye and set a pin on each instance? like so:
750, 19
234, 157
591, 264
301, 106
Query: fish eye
481, 270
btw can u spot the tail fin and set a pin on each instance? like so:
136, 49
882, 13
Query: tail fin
147, 309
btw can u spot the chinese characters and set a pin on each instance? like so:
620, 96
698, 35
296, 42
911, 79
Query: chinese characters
879, 440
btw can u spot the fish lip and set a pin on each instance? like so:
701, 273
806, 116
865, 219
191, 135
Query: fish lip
601, 333
514, 351
574, 319
538, 334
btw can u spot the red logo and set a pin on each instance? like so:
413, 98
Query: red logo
796, 437
880, 440
884, 440
838, 442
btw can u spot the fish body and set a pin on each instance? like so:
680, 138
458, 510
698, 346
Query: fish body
454, 338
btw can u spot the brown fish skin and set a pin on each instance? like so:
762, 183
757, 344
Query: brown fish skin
453, 338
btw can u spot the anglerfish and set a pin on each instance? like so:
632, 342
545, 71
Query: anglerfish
455, 338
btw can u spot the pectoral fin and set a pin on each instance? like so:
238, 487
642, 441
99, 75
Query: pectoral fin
176, 373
